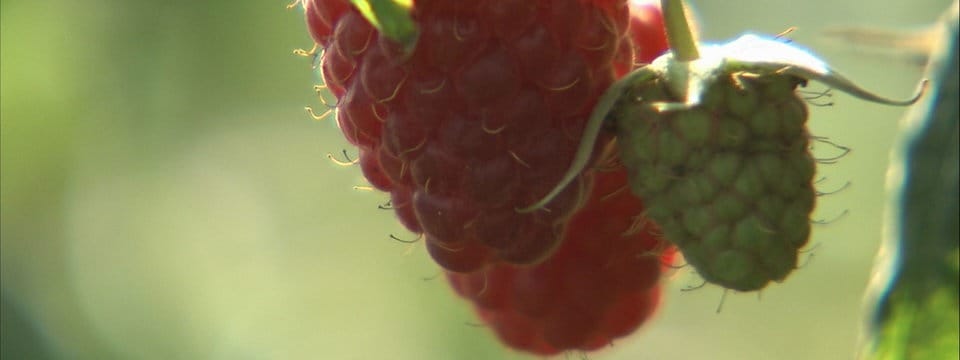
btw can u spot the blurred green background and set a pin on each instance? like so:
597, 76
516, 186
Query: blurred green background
165, 196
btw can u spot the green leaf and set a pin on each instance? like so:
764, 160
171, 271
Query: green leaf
918, 276
392, 19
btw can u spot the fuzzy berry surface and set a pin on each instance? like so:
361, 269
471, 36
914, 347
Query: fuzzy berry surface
600, 285
482, 118
603, 282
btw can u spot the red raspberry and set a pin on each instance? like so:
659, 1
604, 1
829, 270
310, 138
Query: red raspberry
482, 118
600, 285
647, 31
320, 16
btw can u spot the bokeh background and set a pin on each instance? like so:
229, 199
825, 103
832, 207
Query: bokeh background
165, 196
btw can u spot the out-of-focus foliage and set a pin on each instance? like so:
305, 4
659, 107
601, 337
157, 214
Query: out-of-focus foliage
917, 310
165, 196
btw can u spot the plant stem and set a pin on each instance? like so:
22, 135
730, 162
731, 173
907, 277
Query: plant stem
678, 31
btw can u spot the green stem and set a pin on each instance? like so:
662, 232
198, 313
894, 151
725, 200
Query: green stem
678, 31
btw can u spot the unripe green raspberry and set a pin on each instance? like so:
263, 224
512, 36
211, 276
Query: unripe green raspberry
716, 146
731, 203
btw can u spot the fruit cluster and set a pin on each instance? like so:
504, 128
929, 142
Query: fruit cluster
488, 133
